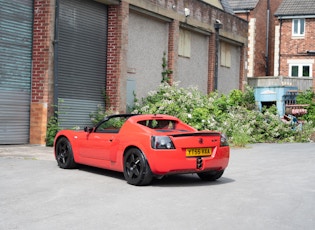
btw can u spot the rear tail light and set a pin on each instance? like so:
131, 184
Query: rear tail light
161, 142
223, 140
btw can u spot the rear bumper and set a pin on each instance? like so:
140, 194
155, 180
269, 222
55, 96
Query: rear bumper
163, 162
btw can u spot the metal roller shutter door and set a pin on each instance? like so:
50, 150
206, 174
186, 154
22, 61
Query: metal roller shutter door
81, 50
16, 22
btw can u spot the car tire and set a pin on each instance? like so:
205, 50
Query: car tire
64, 154
210, 175
136, 168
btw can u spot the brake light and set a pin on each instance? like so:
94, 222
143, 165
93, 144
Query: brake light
162, 142
223, 140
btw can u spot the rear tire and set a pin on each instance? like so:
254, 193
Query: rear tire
136, 168
64, 154
210, 175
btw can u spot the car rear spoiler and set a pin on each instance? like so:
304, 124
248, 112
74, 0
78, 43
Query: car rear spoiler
196, 134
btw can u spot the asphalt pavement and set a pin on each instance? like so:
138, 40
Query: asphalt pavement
266, 186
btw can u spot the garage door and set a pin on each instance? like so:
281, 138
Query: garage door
16, 21
81, 60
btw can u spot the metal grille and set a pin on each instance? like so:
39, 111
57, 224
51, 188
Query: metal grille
81, 59
16, 21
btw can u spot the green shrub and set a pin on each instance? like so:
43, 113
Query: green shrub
307, 97
52, 130
234, 114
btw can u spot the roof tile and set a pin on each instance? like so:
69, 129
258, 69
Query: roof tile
243, 4
296, 8
226, 6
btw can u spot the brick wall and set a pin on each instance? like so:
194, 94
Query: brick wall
173, 39
116, 69
42, 84
211, 63
260, 29
243, 77
274, 4
260, 38
244, 16
296, 48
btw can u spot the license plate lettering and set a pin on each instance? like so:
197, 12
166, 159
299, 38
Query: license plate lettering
198, 152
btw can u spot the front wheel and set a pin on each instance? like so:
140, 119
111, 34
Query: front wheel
136, 168
64, 154
210, 175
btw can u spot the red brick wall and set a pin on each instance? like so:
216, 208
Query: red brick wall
113, 57
296, 48
242, 78
211, 63
274, 4
117, 41
173, 47
244, 16
42, 84
260, 13
260, 38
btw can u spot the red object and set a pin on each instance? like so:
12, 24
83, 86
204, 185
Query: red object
143, 147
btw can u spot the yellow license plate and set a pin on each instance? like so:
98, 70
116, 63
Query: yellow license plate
198, 152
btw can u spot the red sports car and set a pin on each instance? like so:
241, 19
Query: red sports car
144, 147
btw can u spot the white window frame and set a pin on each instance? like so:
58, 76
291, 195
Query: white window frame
300, 63
299, 28
300, 70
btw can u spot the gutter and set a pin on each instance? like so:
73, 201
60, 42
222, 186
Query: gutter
295, 16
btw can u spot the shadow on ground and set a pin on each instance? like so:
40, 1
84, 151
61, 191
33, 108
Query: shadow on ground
177, 180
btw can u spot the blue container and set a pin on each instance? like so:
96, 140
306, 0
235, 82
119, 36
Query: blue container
272, 95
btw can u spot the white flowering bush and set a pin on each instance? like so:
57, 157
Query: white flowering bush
234, 114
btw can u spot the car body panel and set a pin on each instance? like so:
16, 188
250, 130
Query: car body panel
106, 148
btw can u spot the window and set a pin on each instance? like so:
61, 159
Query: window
159, 124
225, 54
112, 124
298, 27
184, 43
300, 70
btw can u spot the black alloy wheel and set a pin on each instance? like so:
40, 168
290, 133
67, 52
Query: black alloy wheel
136, 168
64, 154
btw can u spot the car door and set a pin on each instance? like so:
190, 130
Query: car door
102, 141
96, 146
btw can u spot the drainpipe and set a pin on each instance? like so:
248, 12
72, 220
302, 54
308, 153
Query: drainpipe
267, 39
217, 27
280, 32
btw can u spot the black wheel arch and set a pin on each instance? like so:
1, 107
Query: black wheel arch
143, 174
59, 137
132, 147
67, 154
71, 143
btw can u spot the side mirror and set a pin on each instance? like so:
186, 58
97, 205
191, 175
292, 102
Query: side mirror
88, 129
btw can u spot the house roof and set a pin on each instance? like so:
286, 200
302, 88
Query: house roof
226, 6
296, 8
243, 4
